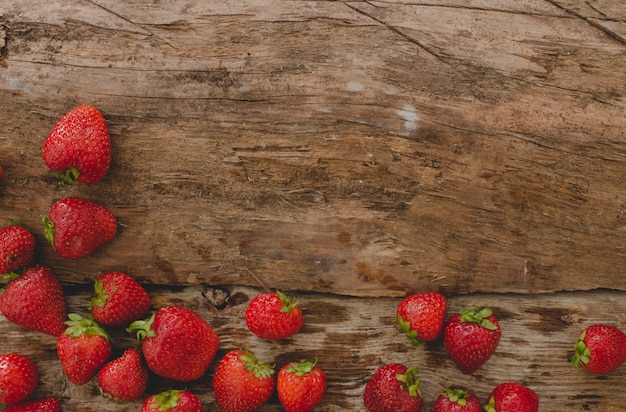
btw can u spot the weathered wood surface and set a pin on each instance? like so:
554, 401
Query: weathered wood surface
352, 152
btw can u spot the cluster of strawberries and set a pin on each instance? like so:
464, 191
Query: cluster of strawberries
470, 338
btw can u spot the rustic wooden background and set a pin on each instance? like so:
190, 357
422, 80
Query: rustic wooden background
348, 153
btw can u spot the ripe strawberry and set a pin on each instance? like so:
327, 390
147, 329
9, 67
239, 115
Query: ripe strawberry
35, 301
600, 349
421, 316
393, 387
172, 401
38, 405
77, 227
0, 173
124, 378
457, 400
471, 337
512, 397
79, 146
118, 300
300, 386
242, 382
17, 248
82, 349
273, 316
176, 343
18, 378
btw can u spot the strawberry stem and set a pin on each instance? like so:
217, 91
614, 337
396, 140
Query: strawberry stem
165, 401
143, 328
456, 395
78, 325
405, 326
48, 231
68, 177
410, 381
478, 316
302, 368
100, 295
582, 352
288, 303
259, 368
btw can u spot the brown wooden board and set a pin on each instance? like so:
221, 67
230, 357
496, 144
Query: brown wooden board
349, 152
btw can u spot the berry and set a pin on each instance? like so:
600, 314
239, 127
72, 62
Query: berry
18, 378
273, 316
421, 316
457, 400
124, 378
77, 227
172, 401
118, 300
242, 382
79, 146
35, 301
600, 349
393, 387
471, 337
512, 397
300, 386
82, 349
176, 343
17, 248
38, 405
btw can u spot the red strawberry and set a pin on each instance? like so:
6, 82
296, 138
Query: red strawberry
35, 301
273, 316
512, 397
471, 337
421, 316
17, 248
242, 383
300, 386
0, 173
172, 401
18, 378
457, 400
177, 343
393, 387
124, 378
600, 349
119, 300
79, 146
77, 227
38, 405
83, 348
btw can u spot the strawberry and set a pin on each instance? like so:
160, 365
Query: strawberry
176, 343
512, 397
35, 301
393, 387
600, 349
118, 300
17, 248
79, 146
300, 386
38, 405
242, 382
82, 349
471, 337
421, 316
457, 400
273, 316
124, 378
172, 401
18, 378
77, 227
0, 173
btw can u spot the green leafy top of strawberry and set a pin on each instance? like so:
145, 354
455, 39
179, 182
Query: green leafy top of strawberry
456, 395
405, 326
409, 378
288, 303
302, 368
166, 400
79, 325
478, 316
100, 295
582, 352
253, 364
68, 177
143, 328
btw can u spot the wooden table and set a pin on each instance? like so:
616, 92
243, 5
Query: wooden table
349, 154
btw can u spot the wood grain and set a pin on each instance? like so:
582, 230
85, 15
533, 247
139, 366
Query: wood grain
351, 152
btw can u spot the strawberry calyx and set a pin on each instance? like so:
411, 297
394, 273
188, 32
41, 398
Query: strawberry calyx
253, 364
165, 401
405, 326
79, 325
491, 405
456, 395
582, 352
412, 384
48, 229
478, 316
67, 177
288, 303
143, 328
100, 295
302, 368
